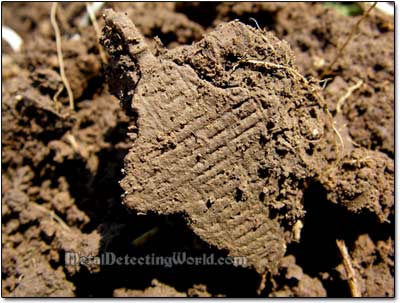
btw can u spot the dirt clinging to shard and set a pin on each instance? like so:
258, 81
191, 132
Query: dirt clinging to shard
228, 135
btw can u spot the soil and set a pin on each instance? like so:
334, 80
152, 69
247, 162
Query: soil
200, 134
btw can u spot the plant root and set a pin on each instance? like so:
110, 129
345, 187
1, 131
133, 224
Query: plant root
347, 95
351, 274
55, 98
353, 31
92, 17
262, 284
292, 71
53, 216
53, 21
325, 82
297, 75
265, 39
12, 38
143, 238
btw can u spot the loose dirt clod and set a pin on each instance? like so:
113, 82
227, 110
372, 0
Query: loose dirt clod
363, 181
225, 144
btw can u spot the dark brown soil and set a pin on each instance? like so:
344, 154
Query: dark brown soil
222, 140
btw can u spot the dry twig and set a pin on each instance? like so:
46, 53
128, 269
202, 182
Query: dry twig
53, 20
351, 274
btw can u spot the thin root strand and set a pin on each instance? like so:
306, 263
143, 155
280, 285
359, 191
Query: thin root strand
351, 274
351, 90
353, 31
64, 78
52, 215
92, 17
55, 98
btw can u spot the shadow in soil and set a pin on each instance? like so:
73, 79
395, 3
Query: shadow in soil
325, 222
203, 13
166, 235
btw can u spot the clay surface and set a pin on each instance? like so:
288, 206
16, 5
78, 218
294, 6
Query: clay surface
228, 143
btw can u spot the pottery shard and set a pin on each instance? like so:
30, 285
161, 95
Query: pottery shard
222, 138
